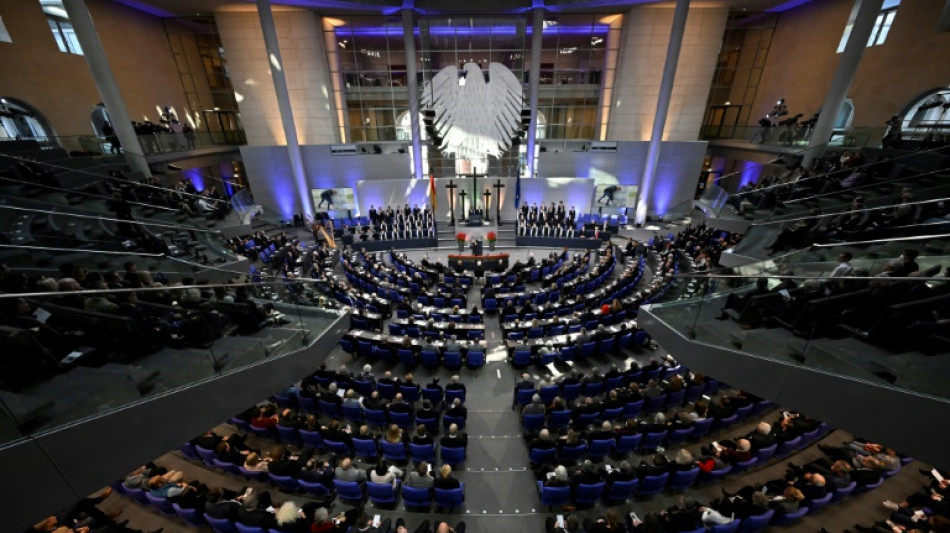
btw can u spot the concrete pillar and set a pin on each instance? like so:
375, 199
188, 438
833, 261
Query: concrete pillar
98, 64
868, 11
534, 73
662, 108
286, 112
412, 83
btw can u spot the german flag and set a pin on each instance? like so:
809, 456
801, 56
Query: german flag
432, 198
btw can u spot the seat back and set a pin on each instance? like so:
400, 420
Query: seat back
386, 390
652, 440
316, 489
475, 358
381, 493
452, 456
680, 480
554, 496
701, 427
410, 393
403, 420
788, 518
353, 413
533, 422
285, 483
191, 516
844, 492
653, 484
393, 451
207, 456
540, 456
416, 497
365, 448
220, 525
633, 409
163, 505
628, 443
430, 358
422, 452
731, 527
756, 522
348, 490
432, 394
600, 447
337, 447
589, 493
452, 394
523, 396
452, 360
623, 490
764, 454
522, 358
450, 498
376, 417
571, 391
570, 454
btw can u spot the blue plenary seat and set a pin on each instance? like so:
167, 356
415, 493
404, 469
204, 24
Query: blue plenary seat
450, 498
416, 497
554, 496
348, 491
382, 494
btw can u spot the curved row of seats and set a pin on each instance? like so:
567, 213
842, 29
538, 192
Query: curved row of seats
621, 491
473, 358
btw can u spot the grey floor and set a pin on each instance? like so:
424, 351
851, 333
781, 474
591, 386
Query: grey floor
499, 488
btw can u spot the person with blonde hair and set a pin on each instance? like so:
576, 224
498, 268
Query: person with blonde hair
291, 519
254, 463
445, 479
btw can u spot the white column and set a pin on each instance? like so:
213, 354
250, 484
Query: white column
412, 83
534, 72
286, 112
868, 11
101, 72
662, 108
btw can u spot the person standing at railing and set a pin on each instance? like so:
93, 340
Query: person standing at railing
191, 138
109, 132
892, 139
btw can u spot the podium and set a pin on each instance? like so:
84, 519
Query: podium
477, 247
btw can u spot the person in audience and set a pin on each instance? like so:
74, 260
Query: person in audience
385, 473
420, 477
446, 480
346, 472
454, 438
70, 515
457, 410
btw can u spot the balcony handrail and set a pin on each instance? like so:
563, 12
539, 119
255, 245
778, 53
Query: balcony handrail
83, 171
879, 208
110, 219
84, 193
823, 175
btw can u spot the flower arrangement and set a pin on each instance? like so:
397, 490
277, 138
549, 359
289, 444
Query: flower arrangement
491, 237
460, 237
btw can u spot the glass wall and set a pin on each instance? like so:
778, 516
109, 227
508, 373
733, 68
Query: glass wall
367, 60
574, 49
745, 46
212, 100
371, 69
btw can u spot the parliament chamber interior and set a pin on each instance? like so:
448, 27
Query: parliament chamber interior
572, 266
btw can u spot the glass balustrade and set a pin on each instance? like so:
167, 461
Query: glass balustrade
72, 354
869, 325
